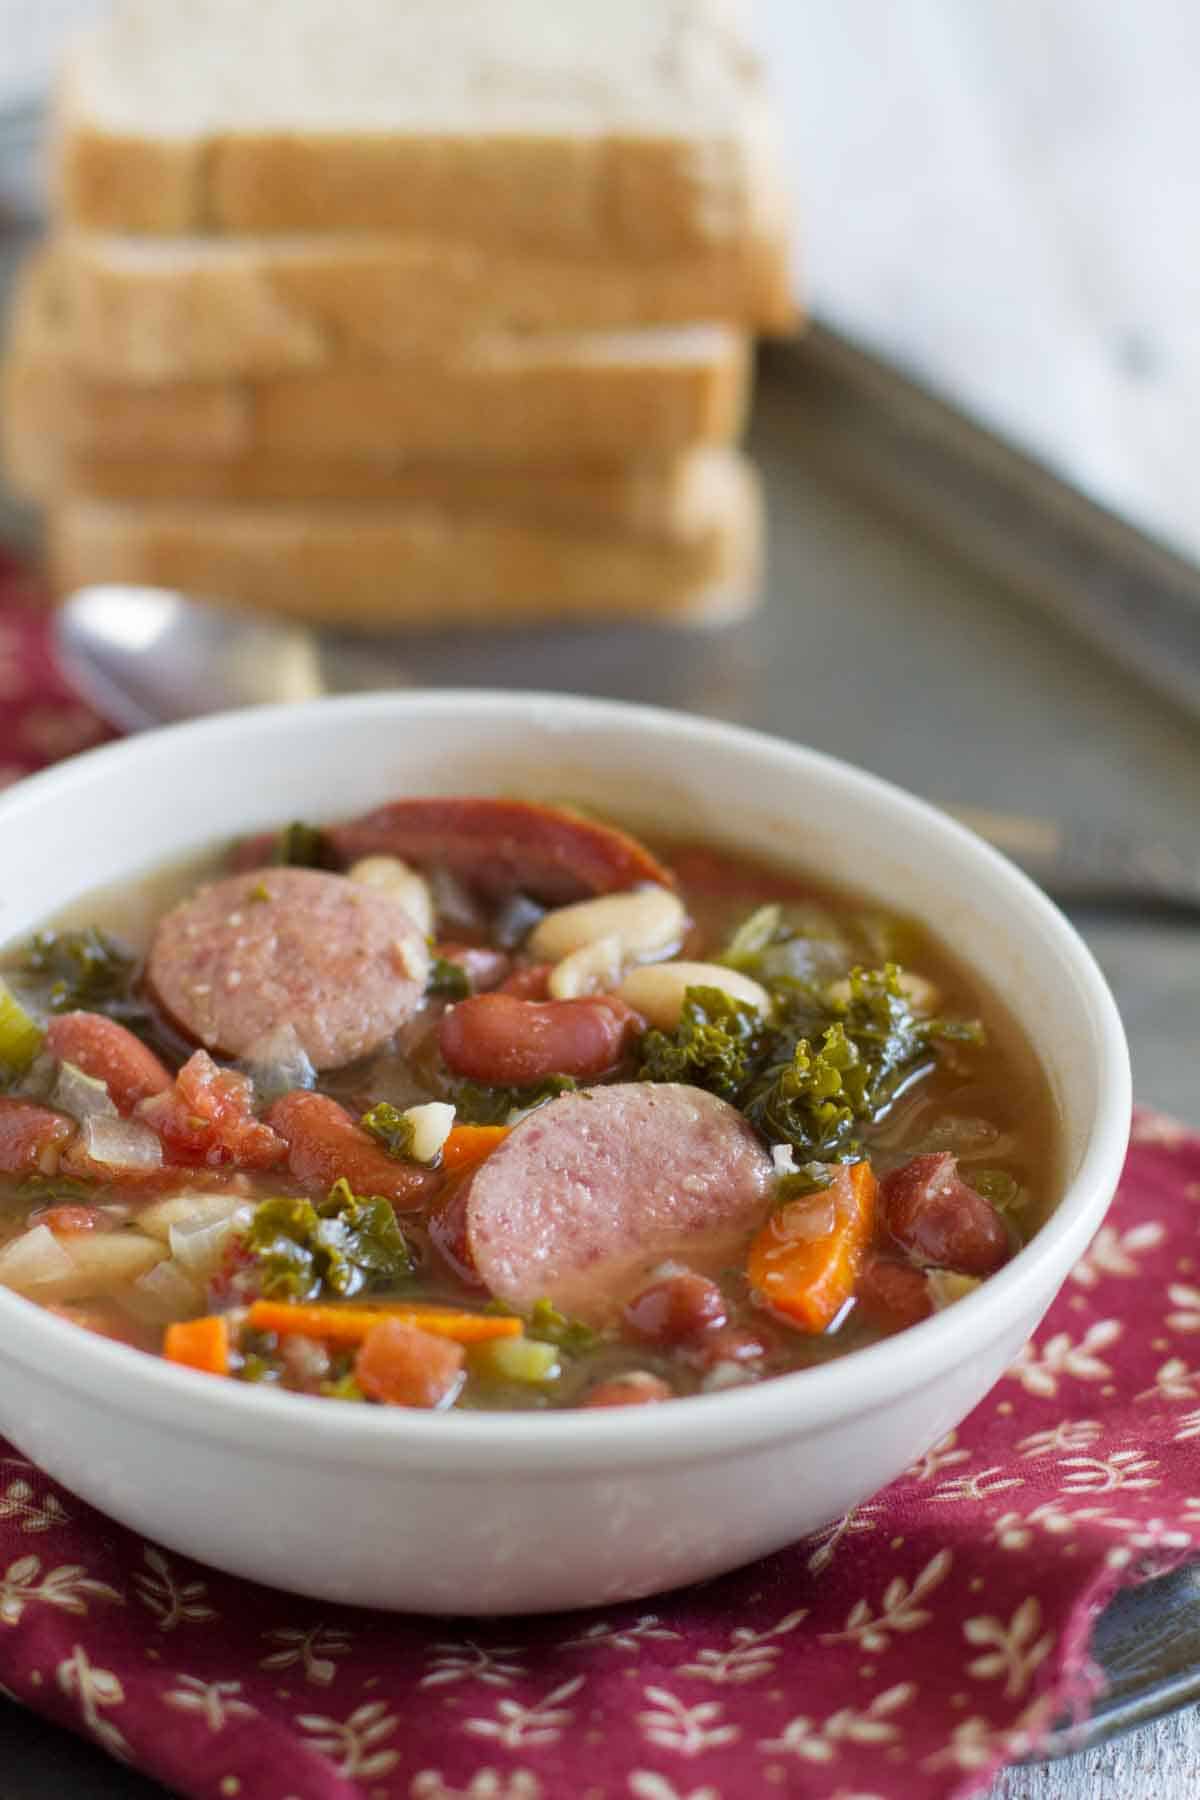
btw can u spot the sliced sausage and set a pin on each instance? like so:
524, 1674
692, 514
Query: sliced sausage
507, 1042
109, 1053
31, 1138
324, 1144
589, 1192
940, 1221
504, 846
340, 962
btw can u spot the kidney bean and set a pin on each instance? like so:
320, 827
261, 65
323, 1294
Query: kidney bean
676, 1308
940, 1221
638, 1388
31, 1138
404, 1366
729, 1344
506, 1042
484, 967
529, 983
893, 1294
109, 1053
324, 1143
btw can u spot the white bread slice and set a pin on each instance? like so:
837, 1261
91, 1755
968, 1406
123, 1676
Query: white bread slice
373, 567
195, 308
620, 127
664, 499
581, 396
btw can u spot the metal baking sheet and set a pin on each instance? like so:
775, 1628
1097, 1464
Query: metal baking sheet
921, 576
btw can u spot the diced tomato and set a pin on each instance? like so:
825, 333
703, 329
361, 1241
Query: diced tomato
109, 1053
68, 1219
638, 1388
32, 1138
404, 1366
324, 1144
94, 1317
207, 1118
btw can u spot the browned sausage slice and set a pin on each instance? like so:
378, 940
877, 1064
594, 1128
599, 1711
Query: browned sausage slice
504, 845
342, 963
585, 1195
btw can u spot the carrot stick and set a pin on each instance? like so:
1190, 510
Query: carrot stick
808, 1279
350, 1324
469, 1144
199, 1344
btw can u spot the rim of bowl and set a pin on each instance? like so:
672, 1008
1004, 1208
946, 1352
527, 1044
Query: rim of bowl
690, 1429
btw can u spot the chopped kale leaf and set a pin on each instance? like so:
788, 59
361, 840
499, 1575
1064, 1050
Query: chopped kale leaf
714, 1046
345, 1245
390, 1128
301, 846
85, 968
828, 1062
448, 980
478, 1105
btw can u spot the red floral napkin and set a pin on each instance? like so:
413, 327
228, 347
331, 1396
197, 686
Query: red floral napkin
904, 1653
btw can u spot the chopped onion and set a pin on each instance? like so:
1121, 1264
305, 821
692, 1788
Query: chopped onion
199, 1248
163, 1293
515, 920
121, 1143
37, 1083
783, 1161
34, 1259
81, 1096
812, 1217
277, 1063
431, 1124
946, 1286
453, 904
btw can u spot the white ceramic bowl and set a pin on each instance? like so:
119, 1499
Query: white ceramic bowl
501, 1513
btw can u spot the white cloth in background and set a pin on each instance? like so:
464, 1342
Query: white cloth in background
1004, 195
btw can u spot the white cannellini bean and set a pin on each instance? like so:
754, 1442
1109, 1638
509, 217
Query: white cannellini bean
646, 922
922, 995
189, 1211
432, 1124
391, 876
657, 991
592, 969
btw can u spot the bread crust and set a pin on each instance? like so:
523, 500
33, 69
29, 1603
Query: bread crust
379, 567
261, 307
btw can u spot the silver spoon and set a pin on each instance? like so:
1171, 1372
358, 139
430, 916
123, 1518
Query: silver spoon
146, 656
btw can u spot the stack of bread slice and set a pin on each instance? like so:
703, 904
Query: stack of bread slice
405, 312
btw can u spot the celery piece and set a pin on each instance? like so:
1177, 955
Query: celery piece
20, 1036
516, 1359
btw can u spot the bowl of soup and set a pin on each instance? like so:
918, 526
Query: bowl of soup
566, 1149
